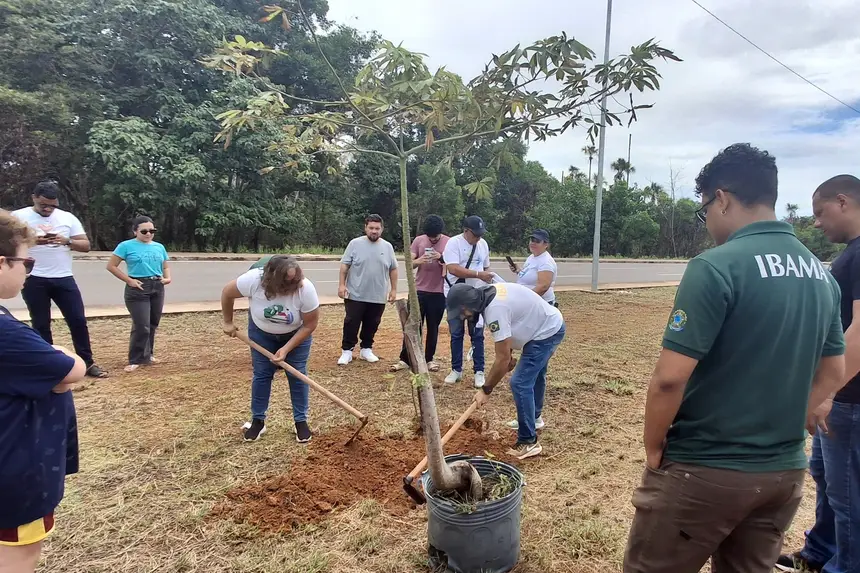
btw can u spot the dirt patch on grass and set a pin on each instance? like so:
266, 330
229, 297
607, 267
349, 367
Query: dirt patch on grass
335, 476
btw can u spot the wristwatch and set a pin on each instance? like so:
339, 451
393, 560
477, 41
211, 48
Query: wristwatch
486, 389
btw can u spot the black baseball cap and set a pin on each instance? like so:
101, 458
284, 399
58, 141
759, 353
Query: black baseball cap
475, 224
541, 235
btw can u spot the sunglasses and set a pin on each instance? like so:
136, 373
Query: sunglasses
148, 231
29, 262
702, 212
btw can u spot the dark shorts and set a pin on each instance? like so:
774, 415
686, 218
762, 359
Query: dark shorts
687, 514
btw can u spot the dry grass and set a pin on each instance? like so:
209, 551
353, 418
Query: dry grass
160, 447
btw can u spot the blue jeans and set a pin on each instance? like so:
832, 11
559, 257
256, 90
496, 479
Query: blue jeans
528, 383
264, 371
834, 540
458, 332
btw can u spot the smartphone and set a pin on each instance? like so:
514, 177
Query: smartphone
510, 261
428, 251
50, 235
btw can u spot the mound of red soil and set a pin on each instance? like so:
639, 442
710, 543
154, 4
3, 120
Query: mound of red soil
334, 475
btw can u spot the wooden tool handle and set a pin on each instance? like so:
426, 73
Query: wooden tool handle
244, 338
453, 430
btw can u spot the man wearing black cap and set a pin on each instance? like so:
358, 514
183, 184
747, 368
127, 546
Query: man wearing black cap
518, 319
466, 259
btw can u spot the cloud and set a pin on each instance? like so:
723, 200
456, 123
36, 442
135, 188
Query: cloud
725, 91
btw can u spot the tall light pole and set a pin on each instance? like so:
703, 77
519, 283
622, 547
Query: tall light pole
601, 154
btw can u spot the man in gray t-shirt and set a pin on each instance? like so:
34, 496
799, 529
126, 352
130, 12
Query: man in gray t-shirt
368, 279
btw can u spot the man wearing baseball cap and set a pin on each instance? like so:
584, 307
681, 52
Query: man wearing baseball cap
518, 319
466, 259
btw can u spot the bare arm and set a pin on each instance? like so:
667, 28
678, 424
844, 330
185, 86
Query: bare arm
309, 324
229, 294
165, 273
665, 392
852, 345
392, 276
829, 379
501, 362
544, 280
79, 243
75, 375
462, 272
113, 268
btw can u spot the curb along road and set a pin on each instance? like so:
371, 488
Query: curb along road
242, 304
105, 255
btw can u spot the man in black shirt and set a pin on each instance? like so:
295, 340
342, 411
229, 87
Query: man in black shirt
833, 544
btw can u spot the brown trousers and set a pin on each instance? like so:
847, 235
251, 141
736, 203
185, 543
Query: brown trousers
687, 514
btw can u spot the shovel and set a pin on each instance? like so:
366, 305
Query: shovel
361, 417
410, 489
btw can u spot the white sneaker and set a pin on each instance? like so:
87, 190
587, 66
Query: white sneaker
453, 377
515, 425
479, 379
367, 354
345, 358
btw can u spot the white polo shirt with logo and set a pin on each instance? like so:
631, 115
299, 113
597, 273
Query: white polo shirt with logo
519, 313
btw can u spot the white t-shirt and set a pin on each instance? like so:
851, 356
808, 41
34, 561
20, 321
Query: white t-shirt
517, 312
52, 261
282, 314
457, 253
528, 275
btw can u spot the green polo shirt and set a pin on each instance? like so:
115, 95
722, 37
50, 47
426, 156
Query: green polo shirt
758, 313
261, 263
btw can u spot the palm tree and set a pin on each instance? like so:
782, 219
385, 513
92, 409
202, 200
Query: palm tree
792, 209
653, 193
622, 169
575, 173
590, 151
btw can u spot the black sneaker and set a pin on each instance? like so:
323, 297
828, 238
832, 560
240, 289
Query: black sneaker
794, 562
303, 432
95, 372
254, 430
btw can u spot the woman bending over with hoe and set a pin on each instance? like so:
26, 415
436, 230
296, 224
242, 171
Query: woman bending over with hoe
283, 313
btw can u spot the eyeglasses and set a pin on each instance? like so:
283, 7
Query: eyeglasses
702, 212
148, 231
29, 262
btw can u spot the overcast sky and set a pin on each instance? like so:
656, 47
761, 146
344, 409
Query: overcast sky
725, 91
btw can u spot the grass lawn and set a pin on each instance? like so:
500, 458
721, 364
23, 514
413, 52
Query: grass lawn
168, 485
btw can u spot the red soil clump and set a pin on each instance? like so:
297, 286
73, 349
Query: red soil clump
335, 475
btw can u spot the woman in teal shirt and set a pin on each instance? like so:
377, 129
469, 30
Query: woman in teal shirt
148, 272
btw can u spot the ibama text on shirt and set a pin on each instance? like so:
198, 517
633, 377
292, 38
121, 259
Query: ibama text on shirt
775, 266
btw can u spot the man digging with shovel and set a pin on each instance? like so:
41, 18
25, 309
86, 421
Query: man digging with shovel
518, 318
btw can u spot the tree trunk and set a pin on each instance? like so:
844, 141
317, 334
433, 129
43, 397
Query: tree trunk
459, 476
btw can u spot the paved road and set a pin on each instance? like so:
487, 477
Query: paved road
202, 281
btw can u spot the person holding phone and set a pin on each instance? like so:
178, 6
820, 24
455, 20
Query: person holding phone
148, 273
427, 250
467, 260
58, 234
540, 270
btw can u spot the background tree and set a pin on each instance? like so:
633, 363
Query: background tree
590, 151
622, 169
791, 209
395, 96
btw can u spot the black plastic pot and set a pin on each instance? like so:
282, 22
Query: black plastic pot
480, 538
